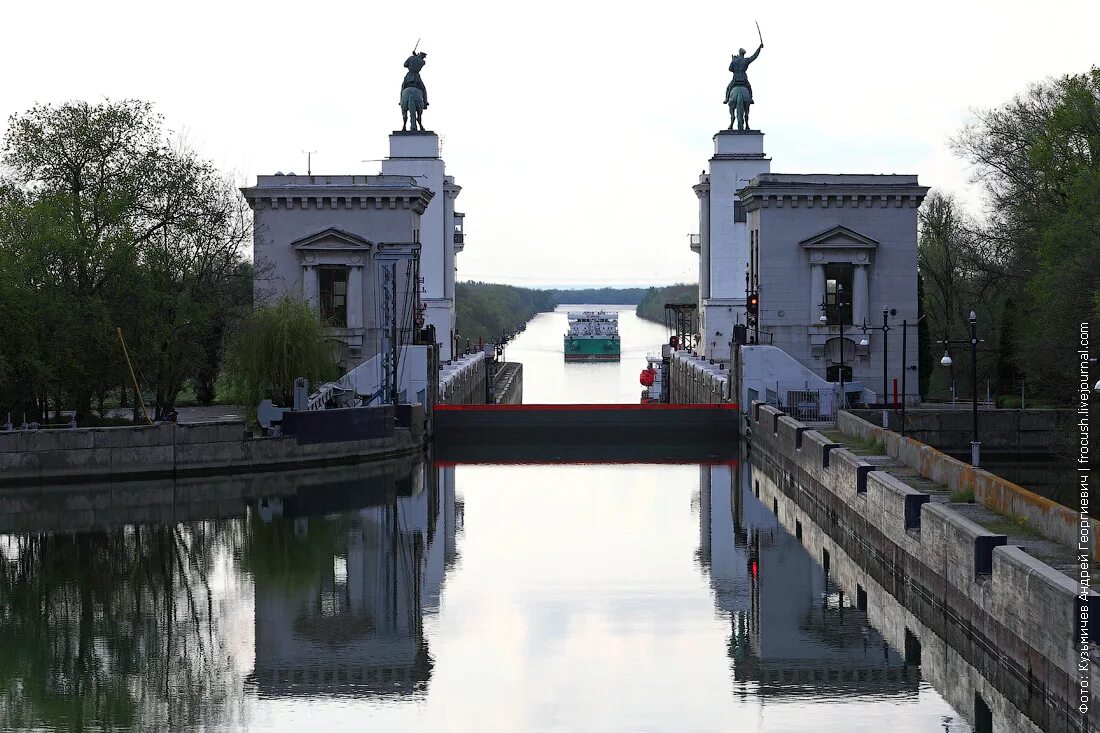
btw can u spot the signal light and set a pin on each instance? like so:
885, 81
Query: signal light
753, 304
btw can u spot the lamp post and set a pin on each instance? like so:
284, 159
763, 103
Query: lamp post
975, 445
905, 366
824, 319
885, 328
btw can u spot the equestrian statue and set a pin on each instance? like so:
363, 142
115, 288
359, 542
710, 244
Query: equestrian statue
414, 96
739, 91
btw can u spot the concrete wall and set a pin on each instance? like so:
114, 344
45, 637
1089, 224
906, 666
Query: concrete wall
50, 456
955, 666
695, 380
166, 501
509, 384
1049, 518
1003, 597
462, 380
1018, 431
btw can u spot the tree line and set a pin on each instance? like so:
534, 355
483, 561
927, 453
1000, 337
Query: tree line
108, 222
652, 305
1030, 268
487, 310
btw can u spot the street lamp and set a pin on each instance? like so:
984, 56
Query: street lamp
885, 328
975, 445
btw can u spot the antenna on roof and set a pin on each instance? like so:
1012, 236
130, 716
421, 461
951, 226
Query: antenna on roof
309, 161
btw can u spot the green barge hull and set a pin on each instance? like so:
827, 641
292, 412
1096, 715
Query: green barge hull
597, 349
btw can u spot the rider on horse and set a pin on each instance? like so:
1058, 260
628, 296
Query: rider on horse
739, 66
414, 64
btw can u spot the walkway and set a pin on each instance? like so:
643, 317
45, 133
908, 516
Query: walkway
1059, 556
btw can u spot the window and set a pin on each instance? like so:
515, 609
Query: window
334, 296
838, 293
738, 211
832, 373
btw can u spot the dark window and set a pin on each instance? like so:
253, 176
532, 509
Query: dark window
334, 296
738, 211
832, 373
838, 294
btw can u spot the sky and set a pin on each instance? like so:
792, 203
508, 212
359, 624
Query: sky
576, 129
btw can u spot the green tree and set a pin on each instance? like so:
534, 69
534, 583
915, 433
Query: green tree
1038, 157
275, 345
106, 223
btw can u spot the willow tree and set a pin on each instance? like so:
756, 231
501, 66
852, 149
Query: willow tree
278, 343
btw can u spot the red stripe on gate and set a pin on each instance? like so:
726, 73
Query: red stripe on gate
581, 408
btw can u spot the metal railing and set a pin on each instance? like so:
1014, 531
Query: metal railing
358, 388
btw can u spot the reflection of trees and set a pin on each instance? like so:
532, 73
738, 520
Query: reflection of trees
113, 628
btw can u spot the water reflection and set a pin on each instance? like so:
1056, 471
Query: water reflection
587, 598
340, 599
793, 630
114, 628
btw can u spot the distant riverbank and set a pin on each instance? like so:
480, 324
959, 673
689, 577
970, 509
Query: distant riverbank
487, 310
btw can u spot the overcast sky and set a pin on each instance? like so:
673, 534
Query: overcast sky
576, 129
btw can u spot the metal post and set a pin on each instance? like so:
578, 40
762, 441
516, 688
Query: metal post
975, 446
904, 368
885, 411
843, 401
393, 332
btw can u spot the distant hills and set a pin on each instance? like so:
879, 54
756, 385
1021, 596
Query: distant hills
486, 310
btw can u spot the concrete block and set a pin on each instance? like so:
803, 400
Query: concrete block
134, 437
75, 463
966, 549
197, 433
901, 503
75, 439
786, 428
861, 478
143, 459
844, 467
1029, 420
271, 450
20, 468
191, 456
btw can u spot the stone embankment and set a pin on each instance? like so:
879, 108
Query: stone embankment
925, 550
1010, 431
952, 476
695, 380
170, 449
968, 675
508, 384
104, 504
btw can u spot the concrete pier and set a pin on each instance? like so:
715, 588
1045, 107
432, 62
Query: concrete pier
930, 557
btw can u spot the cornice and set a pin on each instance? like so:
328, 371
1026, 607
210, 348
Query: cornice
851, 197
337, 197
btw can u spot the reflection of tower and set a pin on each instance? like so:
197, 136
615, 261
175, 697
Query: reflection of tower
341, 607
792, 630
721, 549
441, 548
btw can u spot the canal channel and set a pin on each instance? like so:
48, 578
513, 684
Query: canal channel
639, 596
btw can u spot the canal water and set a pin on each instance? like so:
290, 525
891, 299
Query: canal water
416, 596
